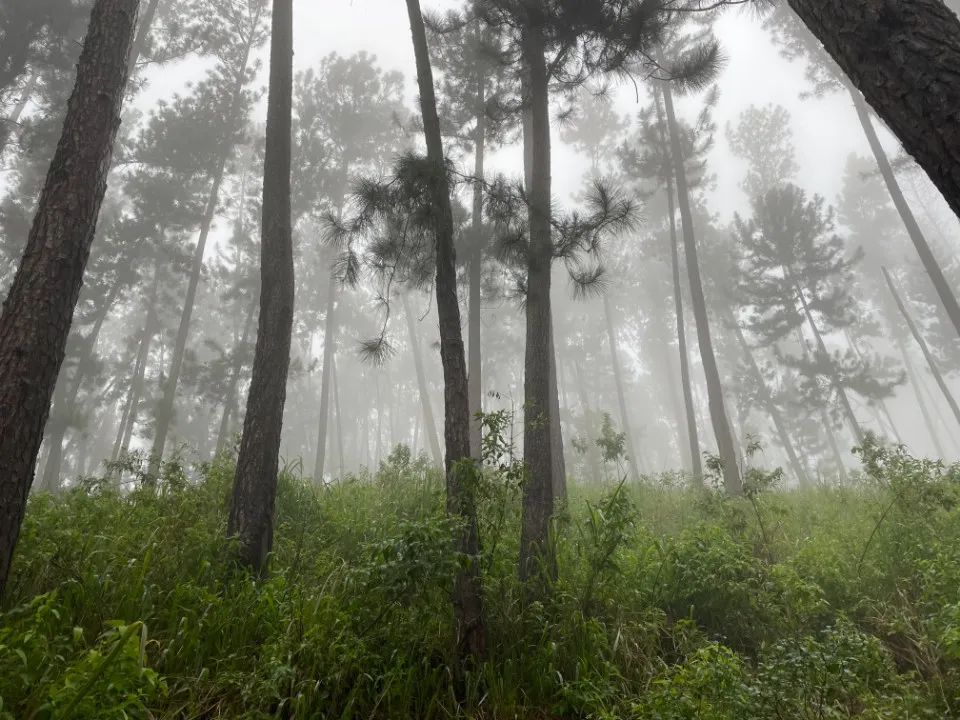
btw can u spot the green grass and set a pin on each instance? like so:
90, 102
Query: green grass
671, 603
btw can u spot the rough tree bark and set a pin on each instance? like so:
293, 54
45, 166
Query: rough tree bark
467, 597
536, 555
721, 426
905, 59
39, 307
255, 484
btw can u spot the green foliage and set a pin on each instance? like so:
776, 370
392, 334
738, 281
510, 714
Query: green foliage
670, 603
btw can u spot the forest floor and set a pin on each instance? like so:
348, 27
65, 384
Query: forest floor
830, 602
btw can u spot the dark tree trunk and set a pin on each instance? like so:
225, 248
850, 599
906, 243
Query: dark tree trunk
167, 401
430, 425
931, 363
230, 404
536, 555
632, 457
905, 59
721, 426
947, 298
467, 597
255, 485
38, 311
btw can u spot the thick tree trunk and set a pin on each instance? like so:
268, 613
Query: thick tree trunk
467, 597
230, 405
931, 363
255, 485
167, 401
38, 311
841, 392
718, 415
329, 351
632, 457
536, 555
770, 406
905, 59
947, 297
430, 425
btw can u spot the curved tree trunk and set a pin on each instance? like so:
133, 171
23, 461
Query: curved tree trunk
255, 484
430, 425
947, 297
38, 310
721, 426
905, 59
467, 598
167, 401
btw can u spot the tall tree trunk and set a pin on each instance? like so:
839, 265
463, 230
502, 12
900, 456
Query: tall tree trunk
881, 403
430, 426
559, 473
38, 311
621, 394
721, 427
589, 427
329, 351
947, 298
536, 554
904, 58
921, 401
255, 484
167, 401
230, 405
467, 597
931, 363
341, 455
475, 377
7, 125
767, 399
841, 392
64, 402
834, 446
143, 32
130, 407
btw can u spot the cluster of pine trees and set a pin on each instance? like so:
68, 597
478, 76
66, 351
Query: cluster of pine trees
142, 310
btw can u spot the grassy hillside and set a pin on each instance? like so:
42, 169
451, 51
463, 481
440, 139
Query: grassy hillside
671, 603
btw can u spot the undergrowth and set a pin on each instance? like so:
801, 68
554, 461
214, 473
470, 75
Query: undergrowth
828, 602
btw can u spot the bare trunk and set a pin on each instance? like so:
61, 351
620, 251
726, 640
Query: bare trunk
255, 484
230, 404
467, 596
559, 474
536, 555
589, 425
905, 58
475, 378
921, 401
7, 126
632, 457
718, 415
167, 401
430, 425
947, 298
329, 351
38, 311
881, 403
931, 363
341, 456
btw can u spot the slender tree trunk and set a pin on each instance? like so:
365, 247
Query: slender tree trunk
834, 446
6, 127
767, 399
841, 393
536, 555
143, 32
621, 395
430, 426
467, 593
921, 401
167, 401
38, 311
718, 415
881, 402
129, 417
230, 405
931, 363
589, 426
341, 455
329, 351
904, 57
475, 378
947, 298
255, 485
559, 474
